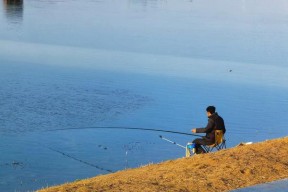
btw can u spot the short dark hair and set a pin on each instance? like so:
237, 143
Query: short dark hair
211, 109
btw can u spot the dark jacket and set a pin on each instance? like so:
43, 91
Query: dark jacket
215, 122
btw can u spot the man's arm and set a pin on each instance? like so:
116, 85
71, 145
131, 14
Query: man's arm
207, 129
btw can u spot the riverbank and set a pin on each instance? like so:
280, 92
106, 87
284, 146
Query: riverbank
225, 170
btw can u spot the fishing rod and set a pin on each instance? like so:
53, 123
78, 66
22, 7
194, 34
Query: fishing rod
131, 128
171, 141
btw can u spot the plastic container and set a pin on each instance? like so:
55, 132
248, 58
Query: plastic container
191, 147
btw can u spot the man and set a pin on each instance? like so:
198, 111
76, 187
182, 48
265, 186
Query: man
215, 122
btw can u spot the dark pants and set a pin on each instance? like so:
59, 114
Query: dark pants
201, 141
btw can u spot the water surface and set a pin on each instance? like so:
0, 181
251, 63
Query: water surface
132, 63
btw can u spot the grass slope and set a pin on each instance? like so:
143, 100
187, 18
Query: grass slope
225, 170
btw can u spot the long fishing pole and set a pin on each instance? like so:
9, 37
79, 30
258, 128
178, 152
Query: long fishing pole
171, 141
133, 128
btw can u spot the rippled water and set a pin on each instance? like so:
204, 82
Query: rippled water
79, 65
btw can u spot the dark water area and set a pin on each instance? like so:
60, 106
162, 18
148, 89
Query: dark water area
68, 68
14, 10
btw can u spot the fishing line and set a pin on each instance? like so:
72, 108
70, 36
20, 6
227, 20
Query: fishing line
131, 128
110, 127
74, 158
79, 160
15, 163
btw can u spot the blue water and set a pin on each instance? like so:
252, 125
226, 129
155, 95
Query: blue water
280, 185
132, 63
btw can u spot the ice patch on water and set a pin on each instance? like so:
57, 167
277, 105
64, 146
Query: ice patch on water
140, 63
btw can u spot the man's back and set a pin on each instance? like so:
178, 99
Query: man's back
219, 122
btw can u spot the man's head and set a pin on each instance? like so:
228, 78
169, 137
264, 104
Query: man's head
210, 110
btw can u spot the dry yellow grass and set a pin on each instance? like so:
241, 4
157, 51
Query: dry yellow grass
220, 171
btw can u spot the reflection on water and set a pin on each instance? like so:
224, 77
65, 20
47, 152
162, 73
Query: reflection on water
14, 10
146, 3
152, 3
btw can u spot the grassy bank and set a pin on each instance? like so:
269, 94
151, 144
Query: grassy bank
225, 170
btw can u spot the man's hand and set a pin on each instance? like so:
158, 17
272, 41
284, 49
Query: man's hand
193, 130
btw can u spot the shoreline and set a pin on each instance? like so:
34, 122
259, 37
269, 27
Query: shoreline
225, 170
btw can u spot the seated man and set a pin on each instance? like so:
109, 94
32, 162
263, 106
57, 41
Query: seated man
215, 122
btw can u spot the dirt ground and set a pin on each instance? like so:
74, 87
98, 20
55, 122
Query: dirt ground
224, 170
